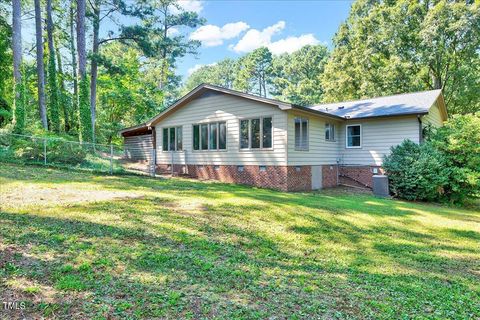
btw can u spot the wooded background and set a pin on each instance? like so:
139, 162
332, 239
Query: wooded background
76, 84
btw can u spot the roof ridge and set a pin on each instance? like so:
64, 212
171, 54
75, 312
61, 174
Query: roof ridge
205, 84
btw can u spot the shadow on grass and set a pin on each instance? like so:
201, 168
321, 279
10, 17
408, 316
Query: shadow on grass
174, 262
330, 200
152, 257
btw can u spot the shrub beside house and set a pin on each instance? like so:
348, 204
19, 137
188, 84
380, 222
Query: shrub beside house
446, 167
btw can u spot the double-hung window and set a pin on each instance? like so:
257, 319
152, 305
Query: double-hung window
329, 132
354, 136
256, 133
172, 139
301, 134
210, 136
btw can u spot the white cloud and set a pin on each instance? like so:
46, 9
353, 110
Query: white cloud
254, 39
197, 67
211, 35
291, 44
172, 32
191, 5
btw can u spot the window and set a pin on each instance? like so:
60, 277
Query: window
354, 136
213, 136
262, 168
301, 134
165, 139
172, 139
256, 133
267, 133
329, 132
244, 134
179, 139
196, 137
204, 136
210, 136
240, 168
222, 135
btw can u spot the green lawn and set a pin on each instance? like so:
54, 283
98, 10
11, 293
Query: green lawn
78, 245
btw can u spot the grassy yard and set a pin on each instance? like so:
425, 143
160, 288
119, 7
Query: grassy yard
78, 245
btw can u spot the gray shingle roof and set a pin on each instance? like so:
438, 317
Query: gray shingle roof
408, 103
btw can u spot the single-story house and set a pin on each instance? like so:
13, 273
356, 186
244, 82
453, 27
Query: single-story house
231, 136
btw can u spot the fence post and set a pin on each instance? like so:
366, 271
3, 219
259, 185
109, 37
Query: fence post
153, 162
44, 151
111, 159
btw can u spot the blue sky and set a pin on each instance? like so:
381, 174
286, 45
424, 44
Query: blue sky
234, 28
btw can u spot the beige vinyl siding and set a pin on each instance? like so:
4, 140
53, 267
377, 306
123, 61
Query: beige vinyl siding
320, 151
433, 117
378, 135
217, 108
138, 147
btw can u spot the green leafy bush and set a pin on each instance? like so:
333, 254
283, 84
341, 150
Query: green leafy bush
416, 172
58, 151
459, 142
63, 152
27, 150
445, 167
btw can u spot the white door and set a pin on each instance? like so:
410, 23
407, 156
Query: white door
316, 177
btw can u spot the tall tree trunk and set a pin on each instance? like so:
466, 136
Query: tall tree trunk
74, 66
82, 55
52, 74
17, 64
40, 66
260, 85
164, 68
437, 82
63, 98
17, 41
94, 65
83, 97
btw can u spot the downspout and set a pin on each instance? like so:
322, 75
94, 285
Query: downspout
338, 171
420, 129
154, 150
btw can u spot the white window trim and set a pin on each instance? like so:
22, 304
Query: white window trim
250, 134
208, 135
308, 134
176, 138
331, 131
346, 136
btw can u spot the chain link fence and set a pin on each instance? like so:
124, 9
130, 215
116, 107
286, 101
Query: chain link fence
62, 153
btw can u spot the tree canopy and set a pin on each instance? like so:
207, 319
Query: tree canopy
88, 84
388, 47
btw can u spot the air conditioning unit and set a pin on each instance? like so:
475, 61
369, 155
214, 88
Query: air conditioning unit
380, 186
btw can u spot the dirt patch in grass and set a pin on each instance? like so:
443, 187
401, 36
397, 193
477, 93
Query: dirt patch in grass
62, 194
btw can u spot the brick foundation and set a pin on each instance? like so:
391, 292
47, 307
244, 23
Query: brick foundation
284, 178
360, 174
329, 176
299, 178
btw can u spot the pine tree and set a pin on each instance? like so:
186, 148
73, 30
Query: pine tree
86, 133
84, 110
40, 65
53, 103
19, 112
